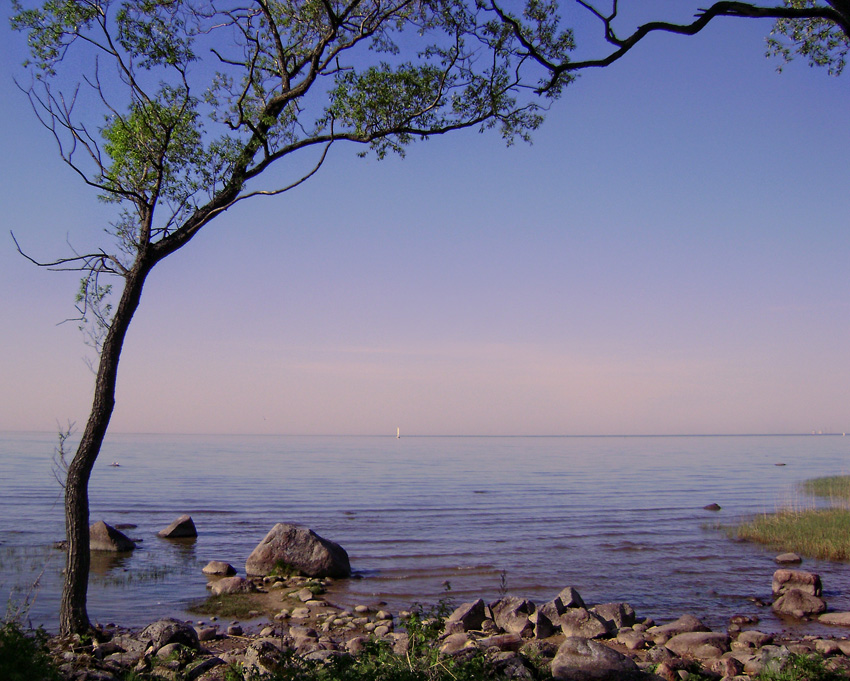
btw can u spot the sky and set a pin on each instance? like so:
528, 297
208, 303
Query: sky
671, 255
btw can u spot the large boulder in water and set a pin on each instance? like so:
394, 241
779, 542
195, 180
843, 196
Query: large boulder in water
290, 548
103, 537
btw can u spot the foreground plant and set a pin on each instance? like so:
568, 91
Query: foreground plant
802, 668
24, 655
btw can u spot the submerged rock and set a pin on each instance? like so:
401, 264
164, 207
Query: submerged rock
298, 549
182, 527
219, 568
788, 559
798, 603
103, 537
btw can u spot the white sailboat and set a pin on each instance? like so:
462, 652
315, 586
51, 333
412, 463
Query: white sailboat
398, 432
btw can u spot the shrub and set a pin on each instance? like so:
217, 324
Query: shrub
24, 655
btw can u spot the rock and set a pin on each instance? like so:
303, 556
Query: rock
826, 647
511, 615
633, 640
103, 537
263, 656
788, 559
183, 527
201, 669
578, 622
754, 639
169, 630
234, 630
454, 643
682, 625
711, 507
659, 654
218, 568
570, 598
206, 633
289, 547
699, 644
469, 615
580, 659
543, 627
619, 615
231, 585
798, 603
808, 582
511, 642
838, 619
727, 667
356, 645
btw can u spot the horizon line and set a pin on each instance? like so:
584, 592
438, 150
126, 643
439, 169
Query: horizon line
455, 435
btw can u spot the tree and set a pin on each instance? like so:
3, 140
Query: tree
176, 110
818, 30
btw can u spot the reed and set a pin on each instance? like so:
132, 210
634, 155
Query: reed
836, 488
818, 533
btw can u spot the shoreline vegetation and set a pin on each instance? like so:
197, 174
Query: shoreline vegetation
816, 532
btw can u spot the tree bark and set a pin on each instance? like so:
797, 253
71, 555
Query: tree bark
73, 617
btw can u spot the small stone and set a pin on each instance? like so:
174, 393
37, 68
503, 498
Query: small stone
711, 507
230, 585
788, 559
206, 633
234, 630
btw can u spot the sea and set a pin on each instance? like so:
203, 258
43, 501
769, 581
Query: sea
426, 518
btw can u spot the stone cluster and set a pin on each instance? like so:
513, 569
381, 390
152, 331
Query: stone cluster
564, 636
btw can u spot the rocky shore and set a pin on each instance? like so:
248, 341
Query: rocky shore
564, 638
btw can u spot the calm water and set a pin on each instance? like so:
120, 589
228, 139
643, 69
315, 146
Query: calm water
617, 518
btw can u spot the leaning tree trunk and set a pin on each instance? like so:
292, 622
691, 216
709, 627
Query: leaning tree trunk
73, 617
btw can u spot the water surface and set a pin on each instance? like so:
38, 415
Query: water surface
620, 519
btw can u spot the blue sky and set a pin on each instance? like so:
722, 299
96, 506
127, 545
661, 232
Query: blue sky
669, 256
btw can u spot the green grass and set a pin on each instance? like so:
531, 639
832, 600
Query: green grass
24, 656
818, 533
835, 487
802, 668
235, 606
